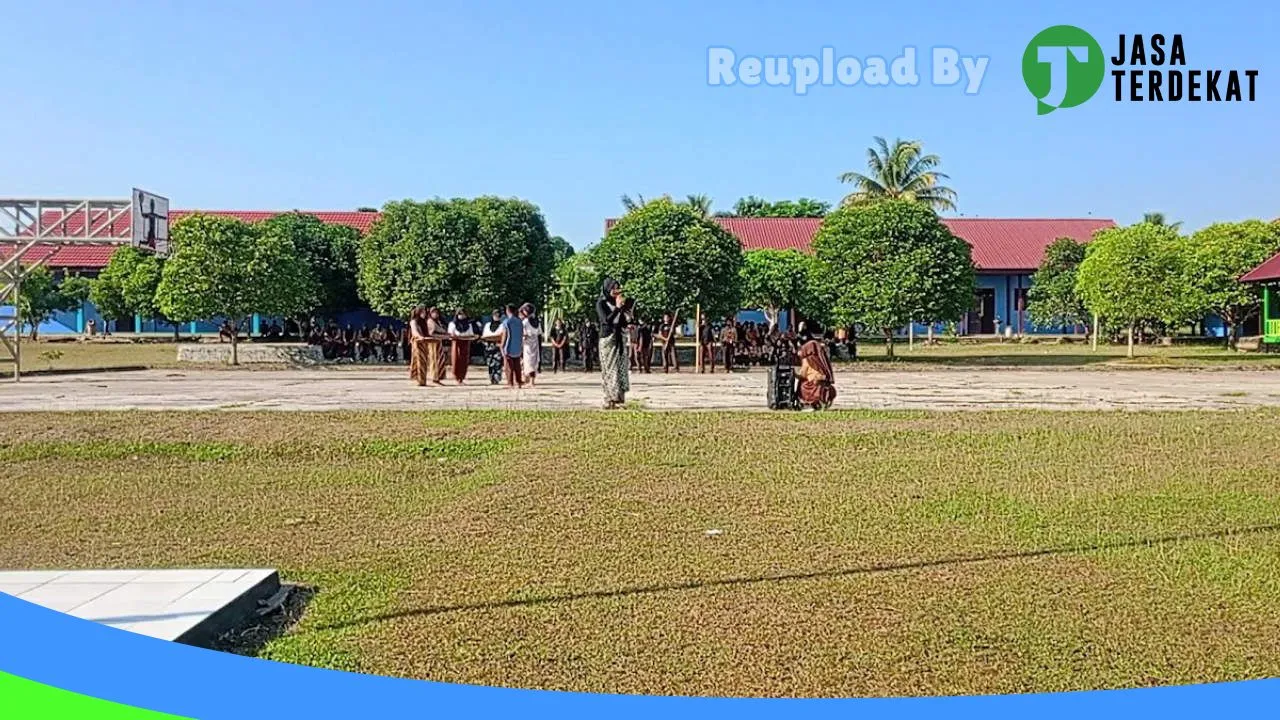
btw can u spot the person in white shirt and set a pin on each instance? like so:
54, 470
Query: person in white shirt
532, 355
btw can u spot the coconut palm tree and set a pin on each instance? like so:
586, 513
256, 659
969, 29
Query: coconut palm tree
900, 171
1157, 218
629, 205
700, 203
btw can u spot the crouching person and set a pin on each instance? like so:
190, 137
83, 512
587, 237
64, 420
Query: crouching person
816, 379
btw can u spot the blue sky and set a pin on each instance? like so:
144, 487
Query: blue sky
332, 105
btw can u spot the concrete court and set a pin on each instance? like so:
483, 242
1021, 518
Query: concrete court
387, 388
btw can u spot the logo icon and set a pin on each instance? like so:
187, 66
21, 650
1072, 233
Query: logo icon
1062, 67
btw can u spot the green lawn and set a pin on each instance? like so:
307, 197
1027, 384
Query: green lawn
858, 553
44, 355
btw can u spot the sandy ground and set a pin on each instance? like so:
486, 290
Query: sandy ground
389, 388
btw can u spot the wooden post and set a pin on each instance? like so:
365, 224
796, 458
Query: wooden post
1095, 332
697, 338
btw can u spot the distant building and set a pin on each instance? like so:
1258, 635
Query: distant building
1268, 275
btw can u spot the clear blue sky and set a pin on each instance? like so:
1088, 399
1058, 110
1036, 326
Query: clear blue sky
332, 105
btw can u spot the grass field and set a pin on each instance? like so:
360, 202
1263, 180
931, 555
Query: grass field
857, 553
63, 356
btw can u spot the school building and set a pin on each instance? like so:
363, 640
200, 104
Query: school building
1268, 276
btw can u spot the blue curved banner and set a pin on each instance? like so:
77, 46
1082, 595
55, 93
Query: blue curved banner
77, 656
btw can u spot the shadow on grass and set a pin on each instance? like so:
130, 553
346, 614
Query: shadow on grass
252, 636
816, 575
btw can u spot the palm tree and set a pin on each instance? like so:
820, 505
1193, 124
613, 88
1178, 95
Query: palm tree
700, 203
1157, 218
630, 205
900, 171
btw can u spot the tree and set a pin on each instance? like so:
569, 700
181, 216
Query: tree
575, 285
752, 206
774, 280
127, 286
1157, 218
1216, 258
1052, 300
222, 267
701, 204
560, 249
671, 259
329, 251
1134, 275
41, 295
889, 263
900, 171
470, 254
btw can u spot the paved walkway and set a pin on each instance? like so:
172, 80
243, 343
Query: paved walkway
188, 605
389, 388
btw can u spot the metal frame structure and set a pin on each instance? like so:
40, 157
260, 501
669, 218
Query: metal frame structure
42, 223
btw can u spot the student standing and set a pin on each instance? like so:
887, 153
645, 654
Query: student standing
512, 340
589, 338
492, 335
436, 332
667, 339
614, 313
531, 362
729, 340
417, 334
559, 345
644, 346
461, 334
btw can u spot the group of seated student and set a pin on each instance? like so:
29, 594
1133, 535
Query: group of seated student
380, 343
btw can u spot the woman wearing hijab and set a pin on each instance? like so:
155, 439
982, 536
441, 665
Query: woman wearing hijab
817, 379
490, 333
418, 342
461, 333
614, 312
532, 339
436, 333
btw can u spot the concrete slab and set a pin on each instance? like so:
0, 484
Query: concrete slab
389, 388
191, 606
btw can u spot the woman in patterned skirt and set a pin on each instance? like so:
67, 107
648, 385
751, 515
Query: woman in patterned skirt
615, 313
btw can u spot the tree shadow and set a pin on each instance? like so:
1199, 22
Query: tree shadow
872, 569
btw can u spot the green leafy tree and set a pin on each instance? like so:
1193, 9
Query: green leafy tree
41, 295
1216, 258
890, 263
560, 249
900, 171
1134, 275
473, 254
574, 288
1052, 300
670, 258
329, 251
127, 287
222, 267
774, 280
752, 206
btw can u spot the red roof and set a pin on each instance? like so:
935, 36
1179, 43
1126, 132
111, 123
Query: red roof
96, 257
1269, 270
87, 257
999, 244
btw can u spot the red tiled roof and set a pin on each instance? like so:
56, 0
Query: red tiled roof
1269, 270
86, 257
1004, 244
